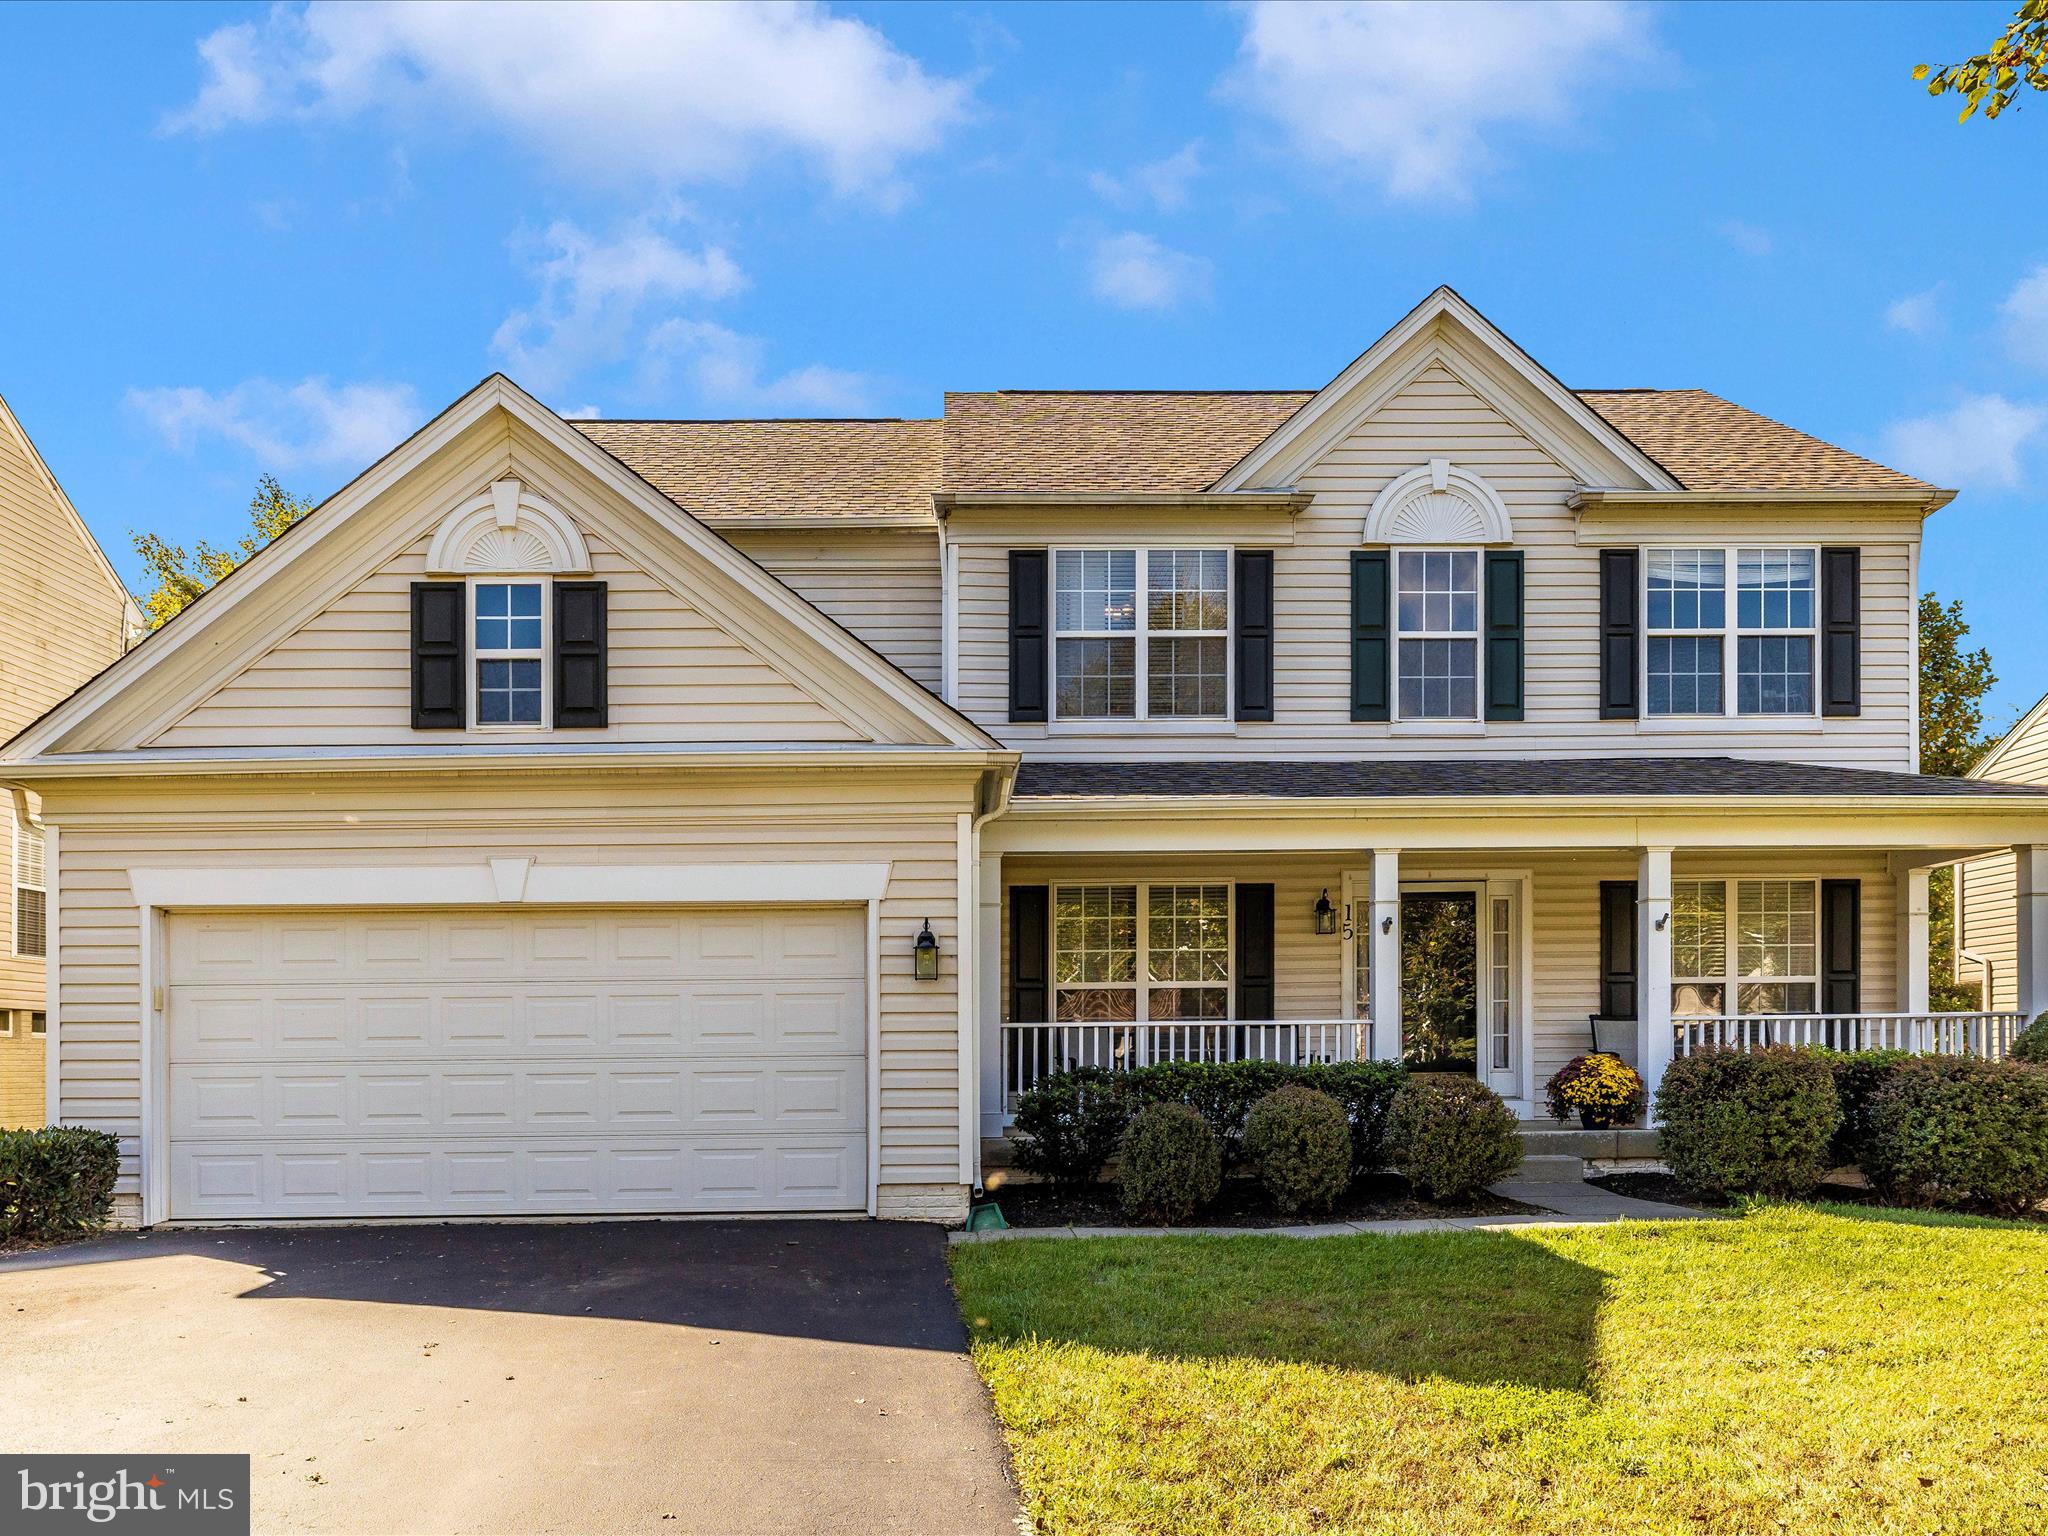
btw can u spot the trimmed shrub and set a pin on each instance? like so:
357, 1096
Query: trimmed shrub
1299, 1143
1748, 1123
1859, 1075
2031, 1044
1452, 1135
56, 1180
1961, 1132
1068, 1125
1365, 1090
1168, 1166
1223, 1093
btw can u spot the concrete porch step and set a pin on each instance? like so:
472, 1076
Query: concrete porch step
1546, 1138
1552, 1168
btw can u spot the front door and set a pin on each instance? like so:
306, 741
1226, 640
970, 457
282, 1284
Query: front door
1440, 980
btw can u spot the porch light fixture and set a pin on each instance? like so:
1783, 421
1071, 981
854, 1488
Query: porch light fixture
924, 954
1386, 925
1326, 915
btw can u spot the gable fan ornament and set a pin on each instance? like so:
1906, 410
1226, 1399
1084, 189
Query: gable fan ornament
1438, 503
508, 530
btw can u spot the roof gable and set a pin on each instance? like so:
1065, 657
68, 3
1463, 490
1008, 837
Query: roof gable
1443, 330
389, 510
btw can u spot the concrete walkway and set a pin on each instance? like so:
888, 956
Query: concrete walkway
1565, 1204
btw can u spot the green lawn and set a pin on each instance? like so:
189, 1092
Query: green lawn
1799, 1369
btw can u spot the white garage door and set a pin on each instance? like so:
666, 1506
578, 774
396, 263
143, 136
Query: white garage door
430, 1063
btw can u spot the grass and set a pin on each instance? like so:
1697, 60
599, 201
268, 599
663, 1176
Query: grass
1800, 1369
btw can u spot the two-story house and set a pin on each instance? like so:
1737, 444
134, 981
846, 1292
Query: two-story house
64, 615
735, 816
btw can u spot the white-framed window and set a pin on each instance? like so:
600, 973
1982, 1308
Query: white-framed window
508, 672
1141, 634
1745, 946
31, 918
1127, 951
1741, 613
1436, 625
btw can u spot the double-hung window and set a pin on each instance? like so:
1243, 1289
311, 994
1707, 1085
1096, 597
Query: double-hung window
1691, 648
1160, 952
509, 639
1436, 613
31, 925
1744, 946
1141, 634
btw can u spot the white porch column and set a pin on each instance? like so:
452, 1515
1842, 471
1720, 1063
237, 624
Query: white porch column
1913, 990
1385, 917
2030, 927
989, 990
1653, 965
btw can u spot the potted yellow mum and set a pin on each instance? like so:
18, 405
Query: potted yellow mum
1605, 1090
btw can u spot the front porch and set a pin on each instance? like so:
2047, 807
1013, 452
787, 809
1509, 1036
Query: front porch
1498, 946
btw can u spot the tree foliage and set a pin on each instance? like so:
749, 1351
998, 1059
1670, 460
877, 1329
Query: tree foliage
181, 575
1992, 79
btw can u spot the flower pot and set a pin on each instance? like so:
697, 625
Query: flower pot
1599, 1119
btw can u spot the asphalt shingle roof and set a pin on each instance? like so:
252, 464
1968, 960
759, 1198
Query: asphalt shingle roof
1532, 777
741, 469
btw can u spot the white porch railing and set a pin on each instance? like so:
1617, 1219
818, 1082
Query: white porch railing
1035, 1051
1928, 1034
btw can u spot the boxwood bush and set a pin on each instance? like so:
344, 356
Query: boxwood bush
1452, 1136
1168, 1165
2031, 1044
1859, 1075
1299, 1144
1068, 1126
1223, 1093
1751, 1123
56, 1181
1961, 1132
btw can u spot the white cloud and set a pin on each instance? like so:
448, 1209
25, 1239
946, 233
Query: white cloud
1134, 271
1917, 314
1750, 239
287, 426
730, 370
2025, 312
667, 93
1981, 442
1410, 92
594, 295
1164, 183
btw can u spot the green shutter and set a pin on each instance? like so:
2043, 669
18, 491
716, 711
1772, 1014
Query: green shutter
1371, 651
1504, 634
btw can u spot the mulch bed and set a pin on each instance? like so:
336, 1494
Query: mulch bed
1832, 1191
1383, 1197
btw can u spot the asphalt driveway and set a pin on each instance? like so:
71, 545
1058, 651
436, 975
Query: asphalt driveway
719, 1377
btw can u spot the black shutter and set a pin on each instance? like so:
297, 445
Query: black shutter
1504, 634
1841, 631
580, 655
438, 685
1027, 635
1255, 951
1030, 954
1841, 946
1619, 583
1617, 949
1371, 653
1252, 623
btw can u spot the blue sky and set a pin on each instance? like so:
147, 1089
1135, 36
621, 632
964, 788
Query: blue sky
236, 238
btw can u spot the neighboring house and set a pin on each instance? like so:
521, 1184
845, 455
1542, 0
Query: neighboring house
1987, 937
552, 821
64, 615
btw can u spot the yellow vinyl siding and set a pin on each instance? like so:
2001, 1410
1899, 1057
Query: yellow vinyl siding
880, 584
22, 1079
1438, 416
624, 820
1988, 921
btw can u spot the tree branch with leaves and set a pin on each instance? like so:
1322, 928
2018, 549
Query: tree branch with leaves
1992, 79
182, 575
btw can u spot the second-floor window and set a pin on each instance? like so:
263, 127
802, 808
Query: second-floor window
1691, 647
1436, 614
510, 643
1141, 634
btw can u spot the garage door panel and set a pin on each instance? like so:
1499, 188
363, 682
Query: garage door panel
729, 1173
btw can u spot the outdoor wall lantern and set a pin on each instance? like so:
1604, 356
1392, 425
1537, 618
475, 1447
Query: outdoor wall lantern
1386, 925
1326, 915
925, 954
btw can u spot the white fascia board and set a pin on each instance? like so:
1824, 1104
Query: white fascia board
2024, 727
1256, 467
1285, 500
496, 758
479, 885
1214, 806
